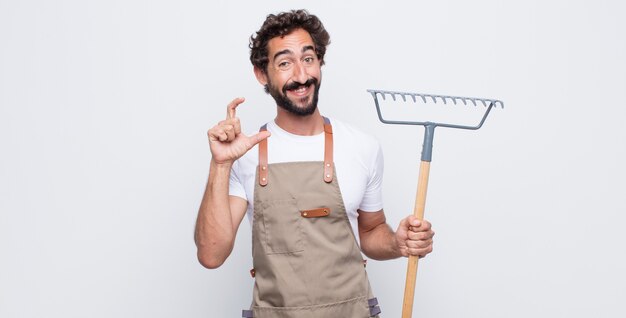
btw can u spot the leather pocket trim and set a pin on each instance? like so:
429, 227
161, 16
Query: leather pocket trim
315, 213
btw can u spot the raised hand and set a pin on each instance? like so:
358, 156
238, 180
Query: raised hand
226, 141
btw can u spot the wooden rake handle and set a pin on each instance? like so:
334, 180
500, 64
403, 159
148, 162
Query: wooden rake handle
418, 212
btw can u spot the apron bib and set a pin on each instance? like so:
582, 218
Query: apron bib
307, 263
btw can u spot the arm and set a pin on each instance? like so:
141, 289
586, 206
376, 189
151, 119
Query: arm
380, 242
218, 219
219, 215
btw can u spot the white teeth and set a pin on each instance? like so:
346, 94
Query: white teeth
300, 89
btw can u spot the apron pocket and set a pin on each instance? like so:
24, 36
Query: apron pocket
281, 226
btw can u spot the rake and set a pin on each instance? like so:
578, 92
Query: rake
427, 148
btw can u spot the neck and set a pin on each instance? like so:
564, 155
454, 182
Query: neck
300, 125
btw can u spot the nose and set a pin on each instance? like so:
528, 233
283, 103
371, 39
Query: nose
299, 73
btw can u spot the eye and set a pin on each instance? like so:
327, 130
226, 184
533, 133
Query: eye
309, 59
284, 65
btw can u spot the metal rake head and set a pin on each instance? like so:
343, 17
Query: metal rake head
426, 98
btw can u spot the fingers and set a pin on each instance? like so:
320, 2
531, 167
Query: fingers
419, 247
257, 138
416, 225
231, 108
423, 232
419, 237
217, 133
226, 130
231, 127
420, 252
229, 130
226, 140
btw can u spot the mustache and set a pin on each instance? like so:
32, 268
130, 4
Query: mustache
295, 85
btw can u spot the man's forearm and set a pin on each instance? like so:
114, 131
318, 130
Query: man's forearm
214, 234
380, 243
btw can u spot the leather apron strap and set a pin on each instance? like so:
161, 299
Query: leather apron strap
328, 155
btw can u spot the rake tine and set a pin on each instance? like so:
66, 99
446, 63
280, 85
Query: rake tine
444, 98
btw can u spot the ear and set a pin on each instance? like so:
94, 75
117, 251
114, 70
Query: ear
260, 76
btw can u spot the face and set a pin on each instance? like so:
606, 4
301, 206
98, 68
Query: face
293, 73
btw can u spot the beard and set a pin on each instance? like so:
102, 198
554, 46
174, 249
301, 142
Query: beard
280, 96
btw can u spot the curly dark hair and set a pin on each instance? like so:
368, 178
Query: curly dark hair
283, 24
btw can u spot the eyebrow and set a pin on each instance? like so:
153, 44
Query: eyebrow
288, 51
279, 53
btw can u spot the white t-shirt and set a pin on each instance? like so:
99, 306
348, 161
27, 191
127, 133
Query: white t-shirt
358, 161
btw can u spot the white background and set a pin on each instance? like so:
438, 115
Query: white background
104, 107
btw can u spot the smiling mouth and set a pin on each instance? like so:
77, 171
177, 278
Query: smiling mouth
300, 89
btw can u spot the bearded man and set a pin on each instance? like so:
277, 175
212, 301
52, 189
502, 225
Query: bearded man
310, 186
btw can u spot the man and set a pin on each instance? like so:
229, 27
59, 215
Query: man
310, 186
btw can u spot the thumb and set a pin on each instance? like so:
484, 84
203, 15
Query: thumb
404, 224
257, 138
